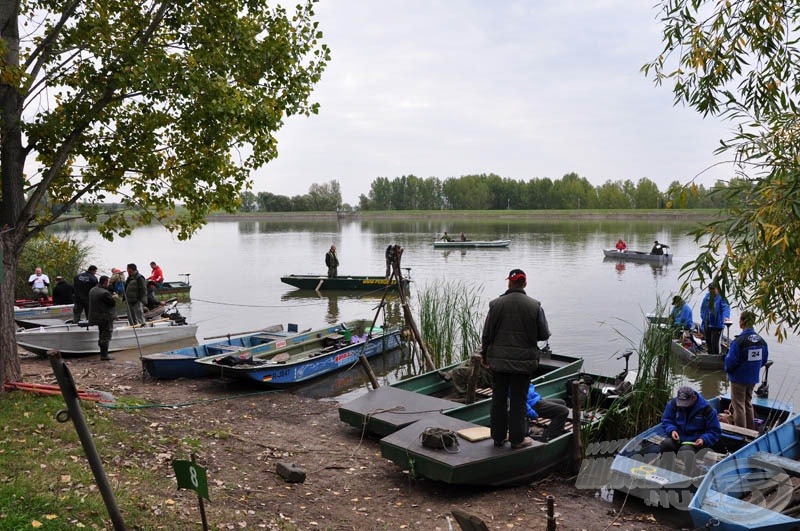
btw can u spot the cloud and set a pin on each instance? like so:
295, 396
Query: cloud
521, 89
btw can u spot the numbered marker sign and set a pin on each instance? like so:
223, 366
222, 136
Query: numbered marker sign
191, 476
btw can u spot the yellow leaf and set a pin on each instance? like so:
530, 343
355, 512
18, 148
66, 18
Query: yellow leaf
36, 523
51, 516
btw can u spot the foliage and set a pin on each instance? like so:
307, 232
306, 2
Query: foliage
450, 321
740, 61
55, 255
159, 103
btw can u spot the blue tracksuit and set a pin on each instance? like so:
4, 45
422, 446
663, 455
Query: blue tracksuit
715, 319
746, 355
699, 421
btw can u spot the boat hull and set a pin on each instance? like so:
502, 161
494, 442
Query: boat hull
472, 244
732, 495
63, 311
638, 256
662, 480
304, 361
76, 340
696, 359
179, 363
344, 283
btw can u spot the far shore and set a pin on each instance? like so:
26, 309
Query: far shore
687, 215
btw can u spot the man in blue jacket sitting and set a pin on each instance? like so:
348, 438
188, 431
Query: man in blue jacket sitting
689, 423
746, 355
554, 409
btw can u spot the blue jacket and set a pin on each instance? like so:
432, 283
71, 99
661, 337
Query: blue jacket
682, 316
531, 401
700, 421
721, 312
746, 355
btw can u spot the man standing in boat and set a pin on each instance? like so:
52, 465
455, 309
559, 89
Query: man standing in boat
714, 312
658, 248
509, 348
746, 355
102, 312
332, 261
135, 295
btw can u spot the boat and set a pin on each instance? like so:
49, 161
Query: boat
342, 283
47, 311
754, 488
81, 339
292, 364
389, 408
473, 459
471, 244
179, 363
641, 472
174, 289
637, 256
694, 353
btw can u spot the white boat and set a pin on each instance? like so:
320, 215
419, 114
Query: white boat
74, 340
63, 311
637, 256
459, 244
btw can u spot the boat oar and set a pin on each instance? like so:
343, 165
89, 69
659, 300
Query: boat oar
273, 328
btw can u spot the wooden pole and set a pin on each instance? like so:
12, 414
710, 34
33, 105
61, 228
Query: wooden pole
407, 315
472, 384
577, 453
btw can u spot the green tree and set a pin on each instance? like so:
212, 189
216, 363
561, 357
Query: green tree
324, 197
647, 194
740, 61
155, 102
248, 202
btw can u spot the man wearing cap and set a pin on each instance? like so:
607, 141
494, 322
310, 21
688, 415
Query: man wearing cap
117, 281
746, 355
509, 348
714, 311
63, 292
102, 312
689, 422
83, 284
681, 314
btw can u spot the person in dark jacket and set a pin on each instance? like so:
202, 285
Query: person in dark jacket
83, 284
714, 312
391, 254
102, 312
135, 295
554, 409
746, 355
332, 261
689, 422
509, 348
63, 292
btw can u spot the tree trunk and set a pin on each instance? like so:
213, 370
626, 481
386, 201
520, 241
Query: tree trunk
12, 199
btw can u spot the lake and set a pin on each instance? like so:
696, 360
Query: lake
596, 308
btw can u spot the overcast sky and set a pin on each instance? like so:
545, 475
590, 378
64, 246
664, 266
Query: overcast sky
522, 89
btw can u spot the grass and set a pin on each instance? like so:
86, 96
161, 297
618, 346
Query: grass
47, 483
451, 318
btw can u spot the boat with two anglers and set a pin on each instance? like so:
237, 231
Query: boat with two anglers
342, 283
466, 454
637, 256
179, 363
471, 244
670, 480
755, 488
690, 347
389, 408
292, 364
81, 339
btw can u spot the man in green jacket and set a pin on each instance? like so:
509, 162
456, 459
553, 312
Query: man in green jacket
102, 312
509, 348
135, 295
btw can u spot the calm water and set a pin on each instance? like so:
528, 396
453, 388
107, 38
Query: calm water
595, 307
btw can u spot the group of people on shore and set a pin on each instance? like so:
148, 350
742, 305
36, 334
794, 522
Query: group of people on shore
96, 298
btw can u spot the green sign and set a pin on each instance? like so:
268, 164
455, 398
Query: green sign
191, 476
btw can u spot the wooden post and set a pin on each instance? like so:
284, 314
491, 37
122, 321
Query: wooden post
472, 384
551, 513
577, 453
407, 315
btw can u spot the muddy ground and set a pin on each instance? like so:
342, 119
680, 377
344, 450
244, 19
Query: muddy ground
244, 433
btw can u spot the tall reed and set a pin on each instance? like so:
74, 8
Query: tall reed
451, 319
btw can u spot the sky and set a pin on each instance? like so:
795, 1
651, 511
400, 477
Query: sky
523, 89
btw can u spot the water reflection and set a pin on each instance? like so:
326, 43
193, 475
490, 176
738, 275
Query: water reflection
392, 307
709, 383
621, 265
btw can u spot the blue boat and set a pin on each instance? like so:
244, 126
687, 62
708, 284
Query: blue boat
319, 355
668, 480
755, 487
180, 363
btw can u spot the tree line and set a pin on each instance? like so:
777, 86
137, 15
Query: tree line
492, 192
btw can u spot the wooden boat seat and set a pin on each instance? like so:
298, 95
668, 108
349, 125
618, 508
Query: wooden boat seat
771, 461
737, 430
